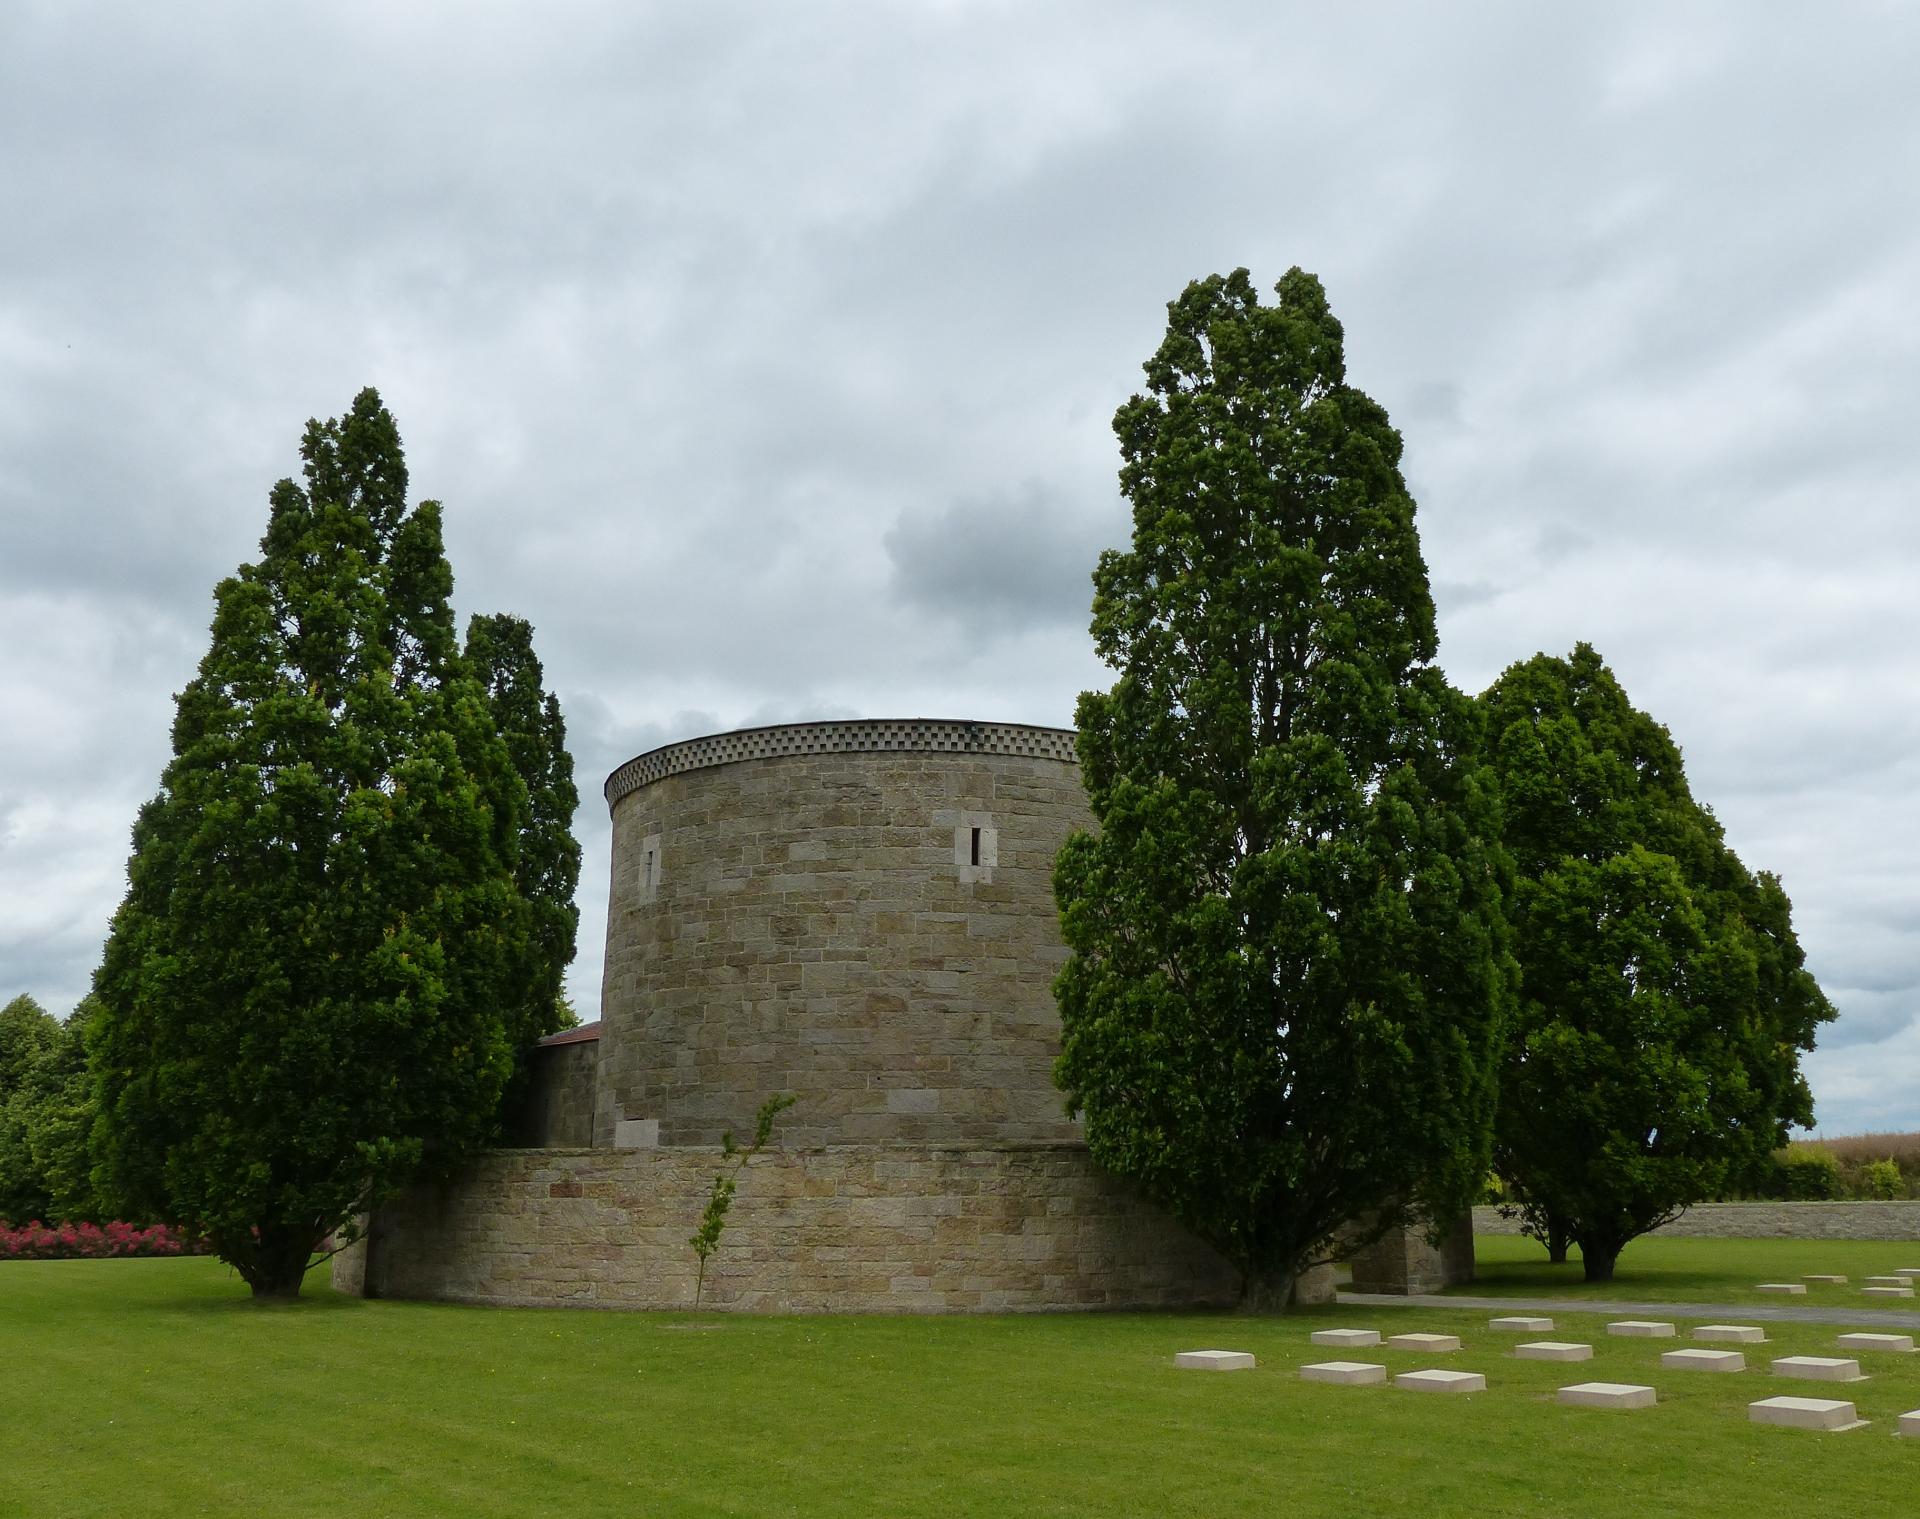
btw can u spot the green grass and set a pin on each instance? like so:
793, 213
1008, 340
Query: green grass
157, 1388
1655, 1268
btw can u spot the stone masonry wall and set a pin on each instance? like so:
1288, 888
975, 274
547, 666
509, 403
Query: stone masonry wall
846, 1229
811, 918
1772, 1220
558, 1110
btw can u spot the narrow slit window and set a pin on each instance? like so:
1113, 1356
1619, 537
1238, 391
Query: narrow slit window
975, 848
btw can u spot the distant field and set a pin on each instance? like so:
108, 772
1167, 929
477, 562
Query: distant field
1696, 1270
1904, 1148
157, 1388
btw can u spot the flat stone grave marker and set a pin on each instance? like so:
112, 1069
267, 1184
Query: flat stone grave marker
1790, 1289
1344, 1373
1832, 1281
1805, 1413
1519, 1324
1899, 1344
1731, 1334
1886, 1292
1441, 1381
1886, 1281
1215, 1360
1553, 1350
1907, 1271
1819, 1368
1642, 1329
1347, 1339
1606, 1395
1909, 1424
1430, 1342
1704, 1360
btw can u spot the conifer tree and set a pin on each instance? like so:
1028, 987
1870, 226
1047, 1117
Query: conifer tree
310, 989
1665, 999
1289, 976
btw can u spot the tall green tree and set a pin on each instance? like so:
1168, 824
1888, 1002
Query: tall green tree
46, 1113
1665, 999
1289, 978
499, 652
28, 1032
314, 984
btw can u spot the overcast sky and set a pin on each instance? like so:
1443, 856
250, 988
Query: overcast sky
765, 358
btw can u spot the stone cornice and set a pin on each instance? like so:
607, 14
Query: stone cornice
912, 735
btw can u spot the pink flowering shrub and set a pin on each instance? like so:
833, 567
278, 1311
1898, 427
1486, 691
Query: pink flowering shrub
36, 1241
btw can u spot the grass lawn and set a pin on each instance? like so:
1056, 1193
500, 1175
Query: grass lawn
1657, 1269
157, 1388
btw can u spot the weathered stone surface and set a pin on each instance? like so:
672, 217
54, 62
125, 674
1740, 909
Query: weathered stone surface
1805, 1413
1346, 1339
1886, 1281
1519, 1324
1735, 1334
847, 1229
1427, 1342
1703, 1360
1818, 1368
1214, 1360
1641, 1329
1607, 1395
1831, 1281
1909, 1424
1553, 1350
1441, 1381
1344, 1373
1776, 1220
1899, 1344
1783, 1289
562, 1077
1402, 1262
1900, 1292
799, 910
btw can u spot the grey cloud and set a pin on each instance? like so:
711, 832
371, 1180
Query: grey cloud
1000, 563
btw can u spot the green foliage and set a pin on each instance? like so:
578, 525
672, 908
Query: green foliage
1664, 997
46, 1115
1289, 975
1881, 1181
316, 982
499, 652
1807, 1175
713, 1220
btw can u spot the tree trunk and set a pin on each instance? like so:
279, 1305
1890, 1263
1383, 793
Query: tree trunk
1598, 1260
1266, 1292
275, 1265
1557, 1243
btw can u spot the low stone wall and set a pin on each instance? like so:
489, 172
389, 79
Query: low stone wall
1889, 1221
842, 1229
557, 1110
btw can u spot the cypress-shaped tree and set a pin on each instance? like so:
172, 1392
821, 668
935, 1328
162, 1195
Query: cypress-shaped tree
1289, 976
310, 989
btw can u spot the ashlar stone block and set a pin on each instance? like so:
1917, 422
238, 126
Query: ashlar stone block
1731, 1334
1607, 1395
1641, 1329
1818, 1368
1553, 1350
1520, 1324
1704, 1360
1441, 1381
1214, 1360
1805, 1413
1346, 1339
1898, 1344
1344, 1373
1886, 1292
1783, 1289
1428, 1342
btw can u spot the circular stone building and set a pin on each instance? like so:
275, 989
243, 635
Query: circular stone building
857, 913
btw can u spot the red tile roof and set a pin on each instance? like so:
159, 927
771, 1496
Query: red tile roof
578, 1035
